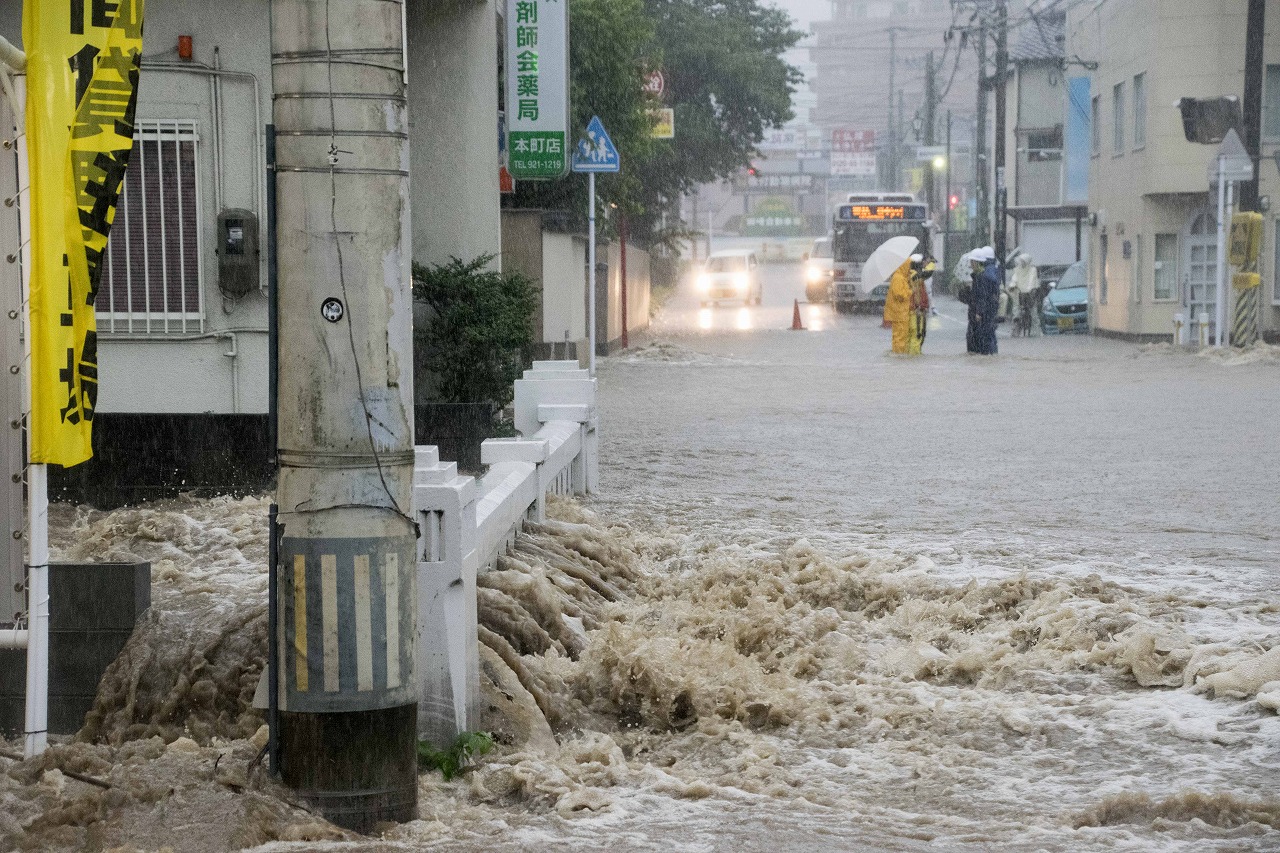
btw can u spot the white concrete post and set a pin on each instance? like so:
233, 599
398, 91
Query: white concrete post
447, 650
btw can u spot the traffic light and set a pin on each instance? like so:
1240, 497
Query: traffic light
952, 202
751, 170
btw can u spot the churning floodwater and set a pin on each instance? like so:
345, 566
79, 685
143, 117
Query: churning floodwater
827, 600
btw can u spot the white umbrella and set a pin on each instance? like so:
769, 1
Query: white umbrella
887, 257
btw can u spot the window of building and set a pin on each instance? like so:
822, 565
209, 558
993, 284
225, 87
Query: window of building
1095, 121
1117, 118
1136, 268
1044, 145
1275, 269
1271, 103
1165, 269
151, 274
1102, 269
1139, 110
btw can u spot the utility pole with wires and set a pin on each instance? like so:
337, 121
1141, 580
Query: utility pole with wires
982, 224
929, 119
346, 573
1002, 190
1253, 42
891, 160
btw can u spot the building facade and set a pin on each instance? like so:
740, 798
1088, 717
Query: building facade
1153, 235
179, 331
852, 55
1041, 222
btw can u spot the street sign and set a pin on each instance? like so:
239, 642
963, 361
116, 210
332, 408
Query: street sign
1231, 162
596, 152
655, 84
664, 123
928, 152
853, 152
537, 114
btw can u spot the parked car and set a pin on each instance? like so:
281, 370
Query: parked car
1066, 308
818, 270
730, 274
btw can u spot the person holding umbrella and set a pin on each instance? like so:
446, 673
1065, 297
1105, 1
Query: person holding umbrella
984, 301
898, 315
891, 261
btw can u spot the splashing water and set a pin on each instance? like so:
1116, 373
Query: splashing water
655, 686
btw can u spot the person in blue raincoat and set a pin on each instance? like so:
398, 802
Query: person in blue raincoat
984, 301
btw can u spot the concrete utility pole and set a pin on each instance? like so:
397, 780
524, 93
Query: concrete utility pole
982, 199
929, 119
347, 556
946, 206
901, 137
1254, 28
891, 167
1002, 191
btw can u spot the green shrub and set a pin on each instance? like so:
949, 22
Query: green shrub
480, 330
452, 761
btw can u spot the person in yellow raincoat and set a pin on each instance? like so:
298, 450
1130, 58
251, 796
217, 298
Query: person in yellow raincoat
897, 305
918, 322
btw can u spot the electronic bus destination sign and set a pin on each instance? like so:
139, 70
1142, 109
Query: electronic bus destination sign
881, 212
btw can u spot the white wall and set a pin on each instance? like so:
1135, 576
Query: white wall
453, 128
453, 118
564, 287
171, 374
1052, 242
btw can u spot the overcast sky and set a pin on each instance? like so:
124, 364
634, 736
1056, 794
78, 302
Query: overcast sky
805, 11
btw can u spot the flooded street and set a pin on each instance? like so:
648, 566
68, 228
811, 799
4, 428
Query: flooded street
1054, 549
827, 599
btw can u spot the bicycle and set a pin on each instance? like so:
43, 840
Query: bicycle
1024, 321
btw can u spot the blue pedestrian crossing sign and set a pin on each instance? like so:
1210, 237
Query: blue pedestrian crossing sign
596, 152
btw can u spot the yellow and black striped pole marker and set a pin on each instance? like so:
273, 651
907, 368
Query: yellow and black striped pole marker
1244, 327
1243, 250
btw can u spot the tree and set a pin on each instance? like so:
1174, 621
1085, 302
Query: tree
726, 80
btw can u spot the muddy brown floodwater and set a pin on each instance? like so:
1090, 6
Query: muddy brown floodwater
765, 635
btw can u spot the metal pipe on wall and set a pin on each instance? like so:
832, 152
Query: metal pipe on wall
259, 135
347, 549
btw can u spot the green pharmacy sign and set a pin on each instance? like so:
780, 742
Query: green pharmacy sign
537, 90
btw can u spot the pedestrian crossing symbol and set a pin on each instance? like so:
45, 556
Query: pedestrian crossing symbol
595, 152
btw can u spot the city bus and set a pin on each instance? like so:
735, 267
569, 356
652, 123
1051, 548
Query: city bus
859, 224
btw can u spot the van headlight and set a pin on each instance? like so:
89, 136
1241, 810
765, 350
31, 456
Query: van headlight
704, 281
813, 274
741, 281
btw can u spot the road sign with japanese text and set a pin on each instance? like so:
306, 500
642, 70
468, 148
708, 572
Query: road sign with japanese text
537, 113
853, 152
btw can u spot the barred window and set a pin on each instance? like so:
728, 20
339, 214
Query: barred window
151, 275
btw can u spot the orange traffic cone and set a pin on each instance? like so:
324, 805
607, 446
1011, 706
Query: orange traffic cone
796, 325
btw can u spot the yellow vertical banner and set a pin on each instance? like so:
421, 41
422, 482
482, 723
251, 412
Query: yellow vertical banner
83, 62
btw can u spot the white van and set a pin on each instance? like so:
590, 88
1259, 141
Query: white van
819, 266
731, 274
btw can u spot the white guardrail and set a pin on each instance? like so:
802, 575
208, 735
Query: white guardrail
466, 524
